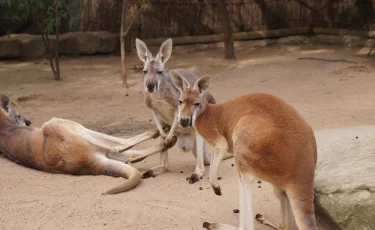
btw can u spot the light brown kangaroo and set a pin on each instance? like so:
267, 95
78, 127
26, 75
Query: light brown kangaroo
269, 140
161, 96
63, 146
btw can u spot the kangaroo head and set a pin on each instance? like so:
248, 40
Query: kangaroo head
192, 101
153, 70
12, 115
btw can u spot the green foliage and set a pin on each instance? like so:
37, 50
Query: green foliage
41, 12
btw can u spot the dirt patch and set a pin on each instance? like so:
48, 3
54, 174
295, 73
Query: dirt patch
29, 97
353, 69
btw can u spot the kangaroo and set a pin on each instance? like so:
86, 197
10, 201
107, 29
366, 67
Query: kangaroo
161, 96
64, 146
269, 140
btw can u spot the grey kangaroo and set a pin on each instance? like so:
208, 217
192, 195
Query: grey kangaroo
162, 97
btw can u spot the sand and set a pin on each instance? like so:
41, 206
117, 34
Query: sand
328, 94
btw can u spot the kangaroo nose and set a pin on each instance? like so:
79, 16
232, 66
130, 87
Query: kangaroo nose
185, 122
150, 87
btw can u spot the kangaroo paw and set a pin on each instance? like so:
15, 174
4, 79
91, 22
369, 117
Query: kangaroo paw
148, 174
193, 178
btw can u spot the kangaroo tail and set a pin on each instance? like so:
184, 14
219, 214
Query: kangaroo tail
119, 169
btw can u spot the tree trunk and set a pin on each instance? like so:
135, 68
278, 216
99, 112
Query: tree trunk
227, 29
57, 58
122, 43
89, 4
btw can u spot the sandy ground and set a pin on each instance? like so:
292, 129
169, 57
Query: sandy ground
327, 94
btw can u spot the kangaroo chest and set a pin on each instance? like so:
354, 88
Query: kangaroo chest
165, 110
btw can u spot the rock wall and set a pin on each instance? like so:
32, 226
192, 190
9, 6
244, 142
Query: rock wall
30, 47
345, 176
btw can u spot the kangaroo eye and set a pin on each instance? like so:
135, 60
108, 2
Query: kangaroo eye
144, 71
179, 102
197, 104
159, 72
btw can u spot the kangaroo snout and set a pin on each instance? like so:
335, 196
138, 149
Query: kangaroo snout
151, 87
185, 122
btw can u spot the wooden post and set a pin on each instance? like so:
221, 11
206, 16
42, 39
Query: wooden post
57, 60
227, 29
122, 44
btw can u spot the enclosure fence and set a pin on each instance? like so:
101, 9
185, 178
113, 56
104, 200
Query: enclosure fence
177, 18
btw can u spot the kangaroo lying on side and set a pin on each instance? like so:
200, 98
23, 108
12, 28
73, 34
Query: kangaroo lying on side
63, 146
161, 96
269, 140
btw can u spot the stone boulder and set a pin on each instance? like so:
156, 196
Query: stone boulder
109, 42
293, 40
89, 43
32, 46
354, 41
345, 177
9, 47
329, 39
68, 44
84, 43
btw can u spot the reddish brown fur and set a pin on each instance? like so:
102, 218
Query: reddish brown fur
56, 148
272, 130
269, 140
44, 149
189, 100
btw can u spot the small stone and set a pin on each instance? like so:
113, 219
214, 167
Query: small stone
356, 137
232, 165
126, 95
201, 177
236, 211
219, 178
200, 188
259, 186
182, 172
259, 182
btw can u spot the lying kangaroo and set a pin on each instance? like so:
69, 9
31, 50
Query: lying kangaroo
269, 140
161, 96
63, 146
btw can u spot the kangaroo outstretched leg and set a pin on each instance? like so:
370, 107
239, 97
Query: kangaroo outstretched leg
138, 155
102, 140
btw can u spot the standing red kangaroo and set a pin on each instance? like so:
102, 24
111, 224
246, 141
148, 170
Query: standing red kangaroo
269, 141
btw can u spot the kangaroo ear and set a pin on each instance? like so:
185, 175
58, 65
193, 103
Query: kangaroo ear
179, 81
202, 84
4, 102
143, 53
165, 51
